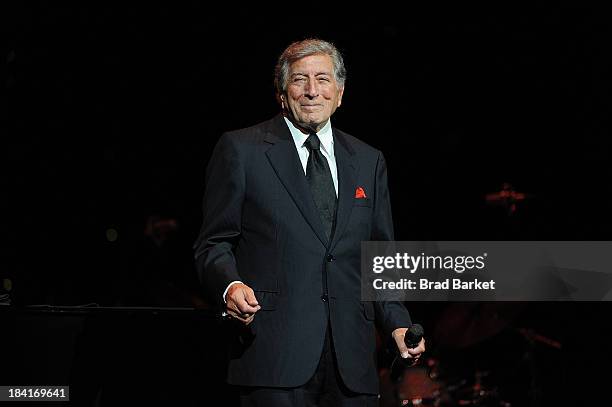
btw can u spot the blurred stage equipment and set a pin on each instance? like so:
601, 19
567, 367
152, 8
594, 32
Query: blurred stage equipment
419, 385
5, 291
159, 228
462, 328
431, 385
465, 324
507, 198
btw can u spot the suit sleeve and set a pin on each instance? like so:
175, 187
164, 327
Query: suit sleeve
221, 226
390, 314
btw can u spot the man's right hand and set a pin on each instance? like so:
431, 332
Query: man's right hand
241, 303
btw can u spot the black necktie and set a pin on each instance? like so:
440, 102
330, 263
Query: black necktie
319, 177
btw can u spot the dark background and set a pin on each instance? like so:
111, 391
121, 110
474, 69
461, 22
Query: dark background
113, 112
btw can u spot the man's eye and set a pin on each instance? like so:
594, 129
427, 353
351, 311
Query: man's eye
298, 79
324, 79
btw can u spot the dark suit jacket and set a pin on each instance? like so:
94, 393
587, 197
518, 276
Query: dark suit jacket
261, 226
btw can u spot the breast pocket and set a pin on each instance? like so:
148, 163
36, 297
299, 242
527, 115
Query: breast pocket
367, 202
360, 224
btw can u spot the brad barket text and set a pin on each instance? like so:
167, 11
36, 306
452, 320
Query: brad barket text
425, 284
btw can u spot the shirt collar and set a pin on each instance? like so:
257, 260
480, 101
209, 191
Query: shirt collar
325, 136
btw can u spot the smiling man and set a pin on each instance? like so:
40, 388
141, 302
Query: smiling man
311, 91
286, 205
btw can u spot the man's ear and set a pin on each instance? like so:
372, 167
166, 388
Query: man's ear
340, 94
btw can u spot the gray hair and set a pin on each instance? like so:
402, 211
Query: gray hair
301, 49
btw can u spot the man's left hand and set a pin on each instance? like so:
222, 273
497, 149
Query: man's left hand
407, 353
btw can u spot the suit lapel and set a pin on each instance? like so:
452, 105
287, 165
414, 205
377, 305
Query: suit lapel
347, 170
286, 163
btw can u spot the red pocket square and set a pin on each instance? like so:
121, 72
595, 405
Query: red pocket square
360, 193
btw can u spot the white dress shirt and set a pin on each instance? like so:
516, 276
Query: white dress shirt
327, 147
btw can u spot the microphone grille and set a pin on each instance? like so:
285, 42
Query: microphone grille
415, 333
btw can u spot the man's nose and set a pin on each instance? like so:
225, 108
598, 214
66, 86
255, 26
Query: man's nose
312, 89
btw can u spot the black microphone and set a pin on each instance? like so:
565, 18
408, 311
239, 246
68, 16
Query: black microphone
413, 336
411, 339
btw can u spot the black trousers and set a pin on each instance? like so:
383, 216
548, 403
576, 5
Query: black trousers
324, 389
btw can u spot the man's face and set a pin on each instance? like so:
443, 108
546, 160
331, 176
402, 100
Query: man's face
312, 91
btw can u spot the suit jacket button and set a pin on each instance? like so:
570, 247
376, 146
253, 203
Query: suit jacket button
324, 298
330, 258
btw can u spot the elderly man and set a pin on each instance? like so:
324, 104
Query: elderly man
286, 205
